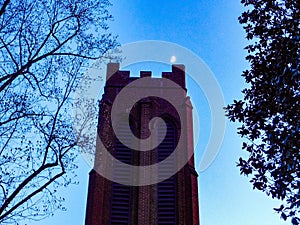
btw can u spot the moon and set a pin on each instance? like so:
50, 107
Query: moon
173, 59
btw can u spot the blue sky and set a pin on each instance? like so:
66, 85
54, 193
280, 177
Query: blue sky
210, 29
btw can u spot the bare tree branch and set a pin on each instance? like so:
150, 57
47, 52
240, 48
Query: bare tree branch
2, 10
44, 48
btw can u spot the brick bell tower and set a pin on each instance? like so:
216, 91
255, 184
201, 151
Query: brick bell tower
171, 201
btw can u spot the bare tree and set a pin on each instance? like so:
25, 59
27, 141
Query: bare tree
44, 47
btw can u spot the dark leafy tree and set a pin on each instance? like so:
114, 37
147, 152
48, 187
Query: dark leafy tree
44, 47
269, 114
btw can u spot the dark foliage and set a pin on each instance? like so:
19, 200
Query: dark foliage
44, 47
269, 114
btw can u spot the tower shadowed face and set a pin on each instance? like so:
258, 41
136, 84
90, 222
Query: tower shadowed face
144, 166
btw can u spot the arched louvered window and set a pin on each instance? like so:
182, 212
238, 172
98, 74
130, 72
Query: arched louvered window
121, 200
166, 190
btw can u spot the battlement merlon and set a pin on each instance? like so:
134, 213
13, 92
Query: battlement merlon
177, 75
111, 69
121, 77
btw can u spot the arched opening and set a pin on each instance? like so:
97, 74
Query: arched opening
121, 194
166, 190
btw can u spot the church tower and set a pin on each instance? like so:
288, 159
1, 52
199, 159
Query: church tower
173, 199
